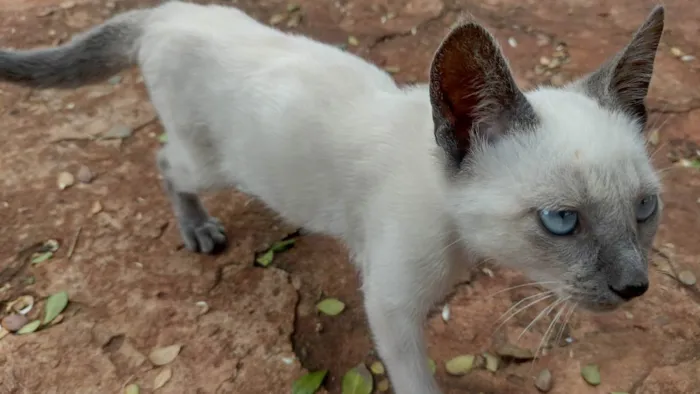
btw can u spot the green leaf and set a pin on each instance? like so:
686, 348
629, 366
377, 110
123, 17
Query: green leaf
460, 365
309, 383
132, 389
377, 368
432, 365
163, 138
281, 246
41, 257
330, 306
591, 374
266, 258
29, 327
55, 305
491, 362
358, 381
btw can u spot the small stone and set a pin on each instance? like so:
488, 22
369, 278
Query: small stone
543, 40
96, 208
543, 382
677, 52
544, 60
687, 58
383, 385
539, 69
66, 5
687, 278
554, 63
65, 180
353, 41
84, 174
512, 42
14, 322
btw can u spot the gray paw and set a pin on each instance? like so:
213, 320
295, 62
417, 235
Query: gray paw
208, 237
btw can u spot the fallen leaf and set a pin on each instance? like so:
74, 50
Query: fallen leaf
164, 355
29, 327
118, 132
266, 258
543, 382
14, 322
491, 362
276, 19
514, 352
132, 389
281, 246
358, 381
432, 365
41, 257
383, 385
687, 278
331, 306
65, 180
460, 365
162, 378
591, 374
377, 368
55, 305
309, 383
22, 305
654, 137
353, 41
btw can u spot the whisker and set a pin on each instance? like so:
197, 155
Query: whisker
546, 335
543, 296
544, 312
566, 321
522, 285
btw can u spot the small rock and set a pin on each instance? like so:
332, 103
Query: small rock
677, 52
544, 60
383, 385
14, 322
554, 63
276, 19
66, 5
84, 174
65, 180
512, 42
543, 382
96, 208
687, 58
353, 41
687, 278
543, 40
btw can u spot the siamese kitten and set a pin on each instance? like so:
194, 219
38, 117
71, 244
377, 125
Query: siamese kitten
417, 181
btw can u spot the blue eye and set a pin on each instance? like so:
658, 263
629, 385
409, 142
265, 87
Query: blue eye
646, 207
559, 222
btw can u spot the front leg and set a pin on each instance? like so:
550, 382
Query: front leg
398, 296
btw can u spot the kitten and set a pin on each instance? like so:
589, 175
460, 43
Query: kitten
416, 180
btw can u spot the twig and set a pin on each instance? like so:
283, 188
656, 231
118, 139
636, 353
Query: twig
75, 242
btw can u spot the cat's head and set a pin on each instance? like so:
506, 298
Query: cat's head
555, 182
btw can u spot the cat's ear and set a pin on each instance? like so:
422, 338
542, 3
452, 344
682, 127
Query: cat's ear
623, 82
472, 91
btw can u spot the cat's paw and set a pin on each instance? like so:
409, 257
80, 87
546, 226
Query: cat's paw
208, 236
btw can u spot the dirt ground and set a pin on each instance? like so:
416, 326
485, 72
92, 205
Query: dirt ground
133, 287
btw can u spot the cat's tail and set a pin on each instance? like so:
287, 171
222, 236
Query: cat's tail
88, 58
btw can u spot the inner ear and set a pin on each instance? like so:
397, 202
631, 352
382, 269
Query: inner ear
623, 82
472, 91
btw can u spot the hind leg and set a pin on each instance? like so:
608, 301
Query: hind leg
200, 232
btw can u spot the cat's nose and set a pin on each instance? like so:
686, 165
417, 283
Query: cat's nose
629, 291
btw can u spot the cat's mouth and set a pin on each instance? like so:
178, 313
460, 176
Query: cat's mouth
596, 302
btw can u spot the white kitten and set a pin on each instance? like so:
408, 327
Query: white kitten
416, 180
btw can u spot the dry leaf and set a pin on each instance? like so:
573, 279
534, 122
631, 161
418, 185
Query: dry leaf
543, 382
162, 378
164, 355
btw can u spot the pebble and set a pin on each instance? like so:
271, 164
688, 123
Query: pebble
65, 180
14, 322
84, 174
687, 278
543, 382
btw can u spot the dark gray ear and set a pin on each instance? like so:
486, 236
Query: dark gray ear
623, 82
472, 91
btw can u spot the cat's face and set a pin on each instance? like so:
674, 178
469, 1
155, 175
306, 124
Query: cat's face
557, 182
573, 203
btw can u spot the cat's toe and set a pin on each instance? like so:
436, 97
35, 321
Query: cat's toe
208, 237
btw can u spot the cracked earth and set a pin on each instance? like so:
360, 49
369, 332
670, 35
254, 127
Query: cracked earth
133, 288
